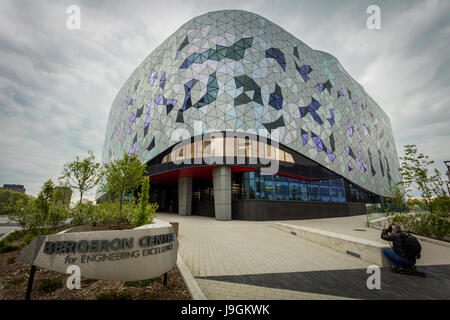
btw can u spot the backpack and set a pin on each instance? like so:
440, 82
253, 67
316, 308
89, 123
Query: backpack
411, 246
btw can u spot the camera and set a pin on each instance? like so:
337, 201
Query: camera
389, 229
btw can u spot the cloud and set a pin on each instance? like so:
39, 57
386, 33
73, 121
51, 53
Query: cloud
57, 85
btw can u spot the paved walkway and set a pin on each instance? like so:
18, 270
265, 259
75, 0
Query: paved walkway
253, 260
7, 226
432, 254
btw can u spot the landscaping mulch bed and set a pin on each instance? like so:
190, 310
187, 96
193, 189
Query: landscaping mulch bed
14, 280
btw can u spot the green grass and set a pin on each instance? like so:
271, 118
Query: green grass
50, 285
14, 282
114, 296
141, 283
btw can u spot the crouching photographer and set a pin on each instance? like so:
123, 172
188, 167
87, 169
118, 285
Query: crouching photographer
405, 248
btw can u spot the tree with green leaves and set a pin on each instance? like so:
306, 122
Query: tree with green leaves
397, 197
43, 201
145, 212
122, 176
8, 200
415, 171
83, 174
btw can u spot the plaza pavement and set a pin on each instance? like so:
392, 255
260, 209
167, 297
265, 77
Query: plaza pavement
253, 260
7, 226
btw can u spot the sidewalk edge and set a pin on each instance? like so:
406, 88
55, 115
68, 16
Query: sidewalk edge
192, 286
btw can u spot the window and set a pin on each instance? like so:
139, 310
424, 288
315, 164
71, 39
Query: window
229, 147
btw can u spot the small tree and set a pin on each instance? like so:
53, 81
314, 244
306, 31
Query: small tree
82, 175
397, 196
43, 202
122, 177
415, 173
145, 212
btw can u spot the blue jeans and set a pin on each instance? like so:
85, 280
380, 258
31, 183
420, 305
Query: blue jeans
398, 261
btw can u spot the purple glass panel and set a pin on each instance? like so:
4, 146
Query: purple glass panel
319, 87
305, 138
153, 78
331, 155
162, 81
159, 100
147, 118
132, 149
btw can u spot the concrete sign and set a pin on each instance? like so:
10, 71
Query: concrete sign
135, 254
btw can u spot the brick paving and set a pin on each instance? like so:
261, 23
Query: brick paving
253, 260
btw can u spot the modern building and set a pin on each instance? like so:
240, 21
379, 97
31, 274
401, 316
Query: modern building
14, 187
238, 119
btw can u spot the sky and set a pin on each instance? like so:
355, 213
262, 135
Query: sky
57, 85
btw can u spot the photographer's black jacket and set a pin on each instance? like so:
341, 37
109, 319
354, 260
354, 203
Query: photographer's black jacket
396, 238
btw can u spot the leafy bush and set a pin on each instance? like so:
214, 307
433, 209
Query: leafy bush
25, 214
50, 285
441, 204
145, 212
8, 199
109, 213
434, 225
14, 282
114, 296
141, 283
5, 246
56, 214
83, 213
29, 236
11, 260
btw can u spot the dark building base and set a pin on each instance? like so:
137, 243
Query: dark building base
263, 210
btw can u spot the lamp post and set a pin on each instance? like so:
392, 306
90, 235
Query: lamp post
447, 163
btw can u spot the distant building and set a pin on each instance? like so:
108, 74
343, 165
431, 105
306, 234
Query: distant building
62, 195
14, 187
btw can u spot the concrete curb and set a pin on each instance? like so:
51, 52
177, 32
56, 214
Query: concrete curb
6, 234
192, 286
363, 249
430, 240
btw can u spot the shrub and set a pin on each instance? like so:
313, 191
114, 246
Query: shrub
441, 204
11, 260
56, 214
14, 282
114, 296
8, 199
145, 212
29, 236
25, 214
434, 225
141, 283
83, 213
108, 213
5, 246
50, 285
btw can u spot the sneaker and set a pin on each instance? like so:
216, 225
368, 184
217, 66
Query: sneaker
413, 268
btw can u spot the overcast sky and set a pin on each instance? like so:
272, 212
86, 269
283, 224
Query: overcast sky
57, 85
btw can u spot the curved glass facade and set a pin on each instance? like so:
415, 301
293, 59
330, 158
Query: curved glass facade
253, 185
